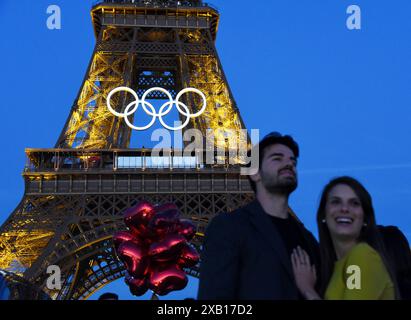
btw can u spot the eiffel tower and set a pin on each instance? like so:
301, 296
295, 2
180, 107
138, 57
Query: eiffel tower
75, 192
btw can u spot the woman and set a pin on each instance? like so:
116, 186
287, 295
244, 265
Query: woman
353, 258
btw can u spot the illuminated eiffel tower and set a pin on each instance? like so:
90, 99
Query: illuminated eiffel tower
76, 191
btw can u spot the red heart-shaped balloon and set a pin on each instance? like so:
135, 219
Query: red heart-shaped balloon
120, 237
138, 217
189, 257
156, 249
166, 279
186, 228
134, 257
164, 222
145, 234
167, 249
138, 286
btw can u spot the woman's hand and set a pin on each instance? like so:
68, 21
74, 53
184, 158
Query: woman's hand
304, 274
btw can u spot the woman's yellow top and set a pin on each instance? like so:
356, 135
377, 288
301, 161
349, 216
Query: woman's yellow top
360, 275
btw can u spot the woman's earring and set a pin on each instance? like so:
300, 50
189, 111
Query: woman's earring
365, 224
323, 220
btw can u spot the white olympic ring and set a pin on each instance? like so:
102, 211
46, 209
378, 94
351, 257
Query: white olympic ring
152, 112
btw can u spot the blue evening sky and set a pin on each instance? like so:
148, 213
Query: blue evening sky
293, 66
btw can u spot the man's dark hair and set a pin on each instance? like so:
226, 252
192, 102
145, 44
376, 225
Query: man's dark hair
108, 296
270, 139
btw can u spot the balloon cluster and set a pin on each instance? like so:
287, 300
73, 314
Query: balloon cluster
156, 248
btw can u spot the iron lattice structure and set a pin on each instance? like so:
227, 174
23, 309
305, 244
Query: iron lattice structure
76, 191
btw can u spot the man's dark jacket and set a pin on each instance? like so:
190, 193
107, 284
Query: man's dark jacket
244, 257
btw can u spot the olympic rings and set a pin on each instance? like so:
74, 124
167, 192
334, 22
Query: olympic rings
150, 110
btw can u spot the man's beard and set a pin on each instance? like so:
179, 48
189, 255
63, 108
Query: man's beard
279, 185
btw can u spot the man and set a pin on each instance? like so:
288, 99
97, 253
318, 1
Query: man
247, 253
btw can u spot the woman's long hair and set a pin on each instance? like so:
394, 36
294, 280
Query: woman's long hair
369, 233
398, 248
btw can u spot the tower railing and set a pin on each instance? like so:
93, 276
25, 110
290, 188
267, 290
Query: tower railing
58, 160
166, 4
